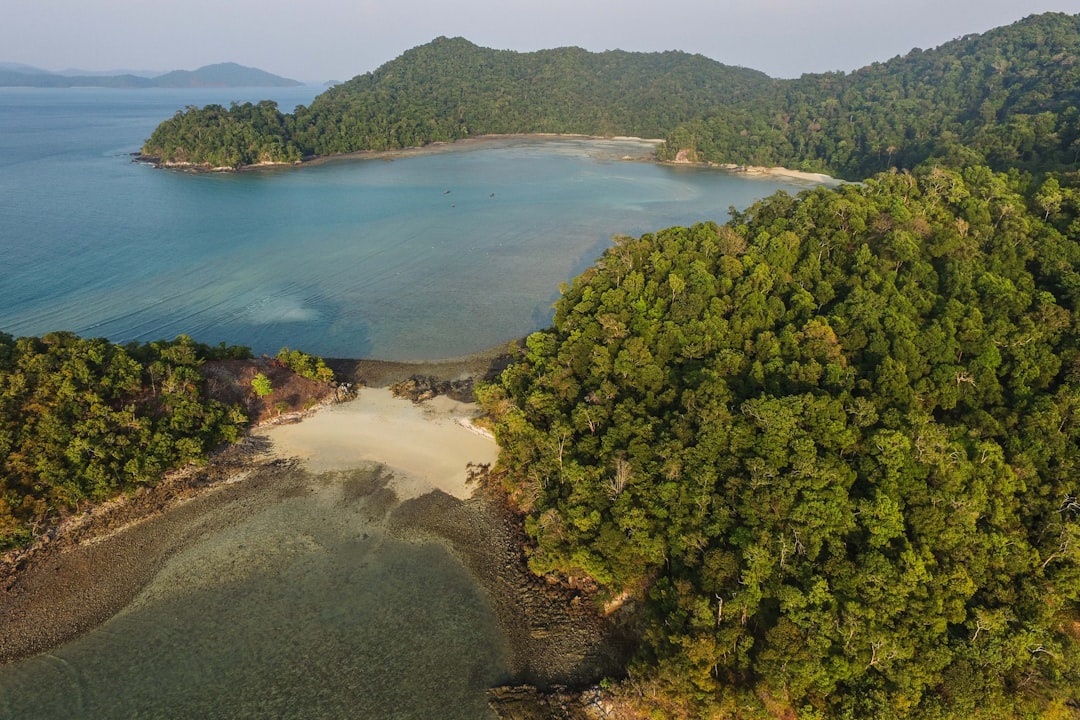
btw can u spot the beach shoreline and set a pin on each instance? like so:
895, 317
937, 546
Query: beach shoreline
649, 147
777, 171
434, 148
427, 470
88, 567
497, 140
474, 141
432, 468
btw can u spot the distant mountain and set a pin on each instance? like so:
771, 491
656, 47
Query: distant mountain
219, 75
223, 75
42, 79
77, 72
21, 68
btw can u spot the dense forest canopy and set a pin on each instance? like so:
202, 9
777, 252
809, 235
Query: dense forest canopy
1006, 98
451, 89
832, 445
83, 419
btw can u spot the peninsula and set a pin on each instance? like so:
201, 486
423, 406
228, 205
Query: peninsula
1003, 98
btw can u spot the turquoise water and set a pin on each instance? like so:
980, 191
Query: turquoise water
420, 257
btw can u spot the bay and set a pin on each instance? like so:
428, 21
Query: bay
423, 256
420, 257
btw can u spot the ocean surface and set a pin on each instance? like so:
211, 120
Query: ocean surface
419, 257
300, 609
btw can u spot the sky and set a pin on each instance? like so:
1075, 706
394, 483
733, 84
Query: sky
320, 40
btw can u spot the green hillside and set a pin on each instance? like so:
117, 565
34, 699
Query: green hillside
831, 447
451, 89
1006, 98
82, 420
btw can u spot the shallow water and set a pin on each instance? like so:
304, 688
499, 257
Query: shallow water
421, 257
289, 605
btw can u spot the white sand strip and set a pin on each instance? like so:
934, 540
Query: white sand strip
426, 446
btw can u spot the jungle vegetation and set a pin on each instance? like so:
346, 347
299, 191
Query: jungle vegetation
1005, 98
831, 446
84, 419
450, 89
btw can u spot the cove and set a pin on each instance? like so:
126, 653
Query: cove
427, 256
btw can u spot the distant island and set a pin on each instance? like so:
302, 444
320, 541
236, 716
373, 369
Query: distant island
223, 75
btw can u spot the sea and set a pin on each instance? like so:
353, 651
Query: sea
416, 258
294, 611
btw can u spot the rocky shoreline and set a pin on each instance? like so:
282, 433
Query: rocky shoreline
87, 569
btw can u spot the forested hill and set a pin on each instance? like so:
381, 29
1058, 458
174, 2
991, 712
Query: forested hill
831, 447
1005, 98
82, 420
449, 89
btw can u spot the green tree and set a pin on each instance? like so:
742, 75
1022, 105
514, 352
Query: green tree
261, 385
829, 447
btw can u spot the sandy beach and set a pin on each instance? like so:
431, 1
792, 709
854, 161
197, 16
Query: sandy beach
816, 178
425, 446
98, 563
760, 170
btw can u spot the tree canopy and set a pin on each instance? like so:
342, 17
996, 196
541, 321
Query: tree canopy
449, 89
832, 445
83, 419
1006, 98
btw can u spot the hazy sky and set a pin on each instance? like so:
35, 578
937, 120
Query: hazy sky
318, 40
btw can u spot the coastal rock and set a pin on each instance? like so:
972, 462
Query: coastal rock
419, 388
525, 702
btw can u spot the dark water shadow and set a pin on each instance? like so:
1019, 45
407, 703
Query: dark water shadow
556, 637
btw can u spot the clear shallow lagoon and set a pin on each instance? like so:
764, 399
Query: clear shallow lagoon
420, 257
